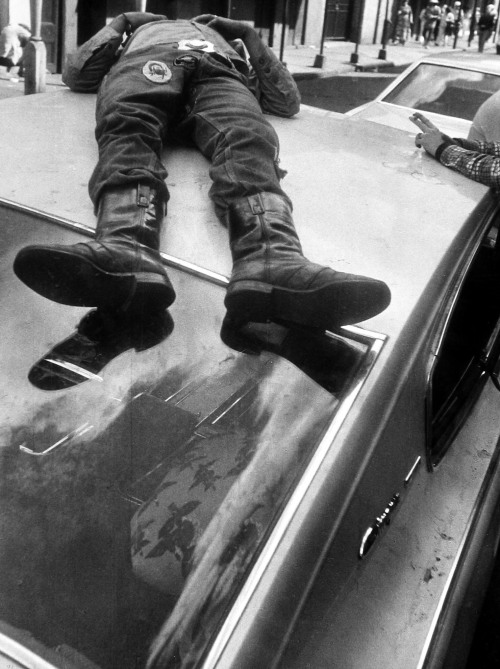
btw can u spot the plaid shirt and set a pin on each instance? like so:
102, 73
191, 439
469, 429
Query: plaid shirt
479, 161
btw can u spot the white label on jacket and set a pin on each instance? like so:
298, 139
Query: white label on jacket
196, 45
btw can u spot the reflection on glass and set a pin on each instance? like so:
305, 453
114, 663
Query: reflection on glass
444, 90
157, 511
99, 338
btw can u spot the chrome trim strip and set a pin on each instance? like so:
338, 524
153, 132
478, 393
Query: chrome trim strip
412, 471
50, 218
457, 562
262, 563
171, 261
78, 432
195, 270
17, 652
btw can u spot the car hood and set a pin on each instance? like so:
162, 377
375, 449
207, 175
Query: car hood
398, 117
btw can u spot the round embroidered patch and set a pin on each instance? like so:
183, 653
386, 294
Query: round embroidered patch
157, 72
196, 45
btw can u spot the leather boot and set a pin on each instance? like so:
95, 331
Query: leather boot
120, 270
272, 281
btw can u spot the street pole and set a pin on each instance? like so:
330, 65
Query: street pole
382, 54
319, 61
354, 55
472, 23
284, 19
35, 54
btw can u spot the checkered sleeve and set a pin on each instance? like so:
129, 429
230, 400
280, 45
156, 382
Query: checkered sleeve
491, 148
481, 167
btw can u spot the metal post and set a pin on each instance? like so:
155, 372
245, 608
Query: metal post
284, 19
140, 5
228, 11
319, 61
472, 23
456, 27
304, 22
495, 39
35, 54
354, 55
382, 54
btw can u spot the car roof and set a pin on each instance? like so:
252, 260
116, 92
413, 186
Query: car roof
365, 200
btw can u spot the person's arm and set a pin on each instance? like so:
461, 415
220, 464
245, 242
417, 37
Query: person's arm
86, 68
478, 161
480, 146
480, 167
277, 91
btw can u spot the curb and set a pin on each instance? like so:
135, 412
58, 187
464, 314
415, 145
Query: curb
347, 68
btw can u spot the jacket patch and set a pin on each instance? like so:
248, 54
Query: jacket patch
187, 60
196, 45
157, 72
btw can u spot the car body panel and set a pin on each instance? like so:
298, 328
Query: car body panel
365, 200
381, 110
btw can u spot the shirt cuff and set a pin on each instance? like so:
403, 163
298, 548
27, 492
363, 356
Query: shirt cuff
442, 147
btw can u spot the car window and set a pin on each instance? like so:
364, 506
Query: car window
467, 350
175, 458
445, 90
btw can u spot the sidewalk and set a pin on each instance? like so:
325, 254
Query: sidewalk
300, 61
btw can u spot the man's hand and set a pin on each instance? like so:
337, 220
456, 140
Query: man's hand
431, 137
137, 19
228, 28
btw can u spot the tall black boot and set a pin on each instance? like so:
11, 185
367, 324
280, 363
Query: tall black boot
121, 270
272, 281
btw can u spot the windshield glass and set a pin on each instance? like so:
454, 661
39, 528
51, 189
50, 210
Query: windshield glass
445, 90
141, 475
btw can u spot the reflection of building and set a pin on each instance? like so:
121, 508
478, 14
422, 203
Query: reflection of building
66, 23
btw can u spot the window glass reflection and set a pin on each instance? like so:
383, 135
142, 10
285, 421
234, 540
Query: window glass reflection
444, 90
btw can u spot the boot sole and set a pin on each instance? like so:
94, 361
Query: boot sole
326, 308
67, 278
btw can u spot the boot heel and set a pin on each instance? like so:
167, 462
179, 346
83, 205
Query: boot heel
153, 292
249, 301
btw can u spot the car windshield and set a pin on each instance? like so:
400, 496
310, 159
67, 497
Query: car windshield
446, 90
172, 461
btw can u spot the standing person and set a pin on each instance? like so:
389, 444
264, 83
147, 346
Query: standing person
185, 79
13, 39
441, 32
486, 26
449, 30
432, 14
404, 23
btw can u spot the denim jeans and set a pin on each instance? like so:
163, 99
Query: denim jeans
207, 102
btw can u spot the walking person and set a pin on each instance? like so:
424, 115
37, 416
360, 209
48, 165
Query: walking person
486, 26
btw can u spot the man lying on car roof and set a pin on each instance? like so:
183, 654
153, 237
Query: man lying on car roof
186, 78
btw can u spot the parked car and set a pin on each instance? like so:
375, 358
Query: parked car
280, 498
449, 88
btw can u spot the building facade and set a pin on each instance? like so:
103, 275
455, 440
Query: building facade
68, 23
